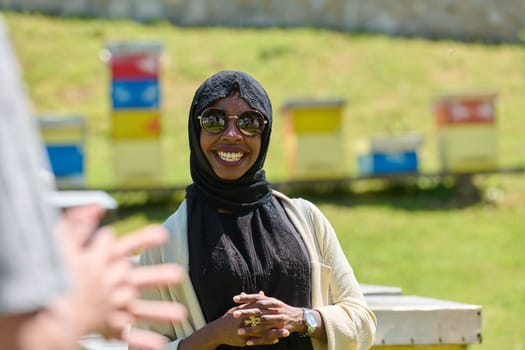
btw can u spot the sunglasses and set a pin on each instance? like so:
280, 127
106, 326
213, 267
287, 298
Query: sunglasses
250, 123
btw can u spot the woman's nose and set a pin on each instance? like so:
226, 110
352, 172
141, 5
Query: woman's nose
231, 129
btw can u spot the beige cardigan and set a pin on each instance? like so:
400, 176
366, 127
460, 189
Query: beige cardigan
349, 323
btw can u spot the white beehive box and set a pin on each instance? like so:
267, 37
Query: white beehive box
411, 320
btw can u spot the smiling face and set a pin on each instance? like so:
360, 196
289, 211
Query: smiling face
230, 153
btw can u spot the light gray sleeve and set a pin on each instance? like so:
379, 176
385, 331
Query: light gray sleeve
31, 269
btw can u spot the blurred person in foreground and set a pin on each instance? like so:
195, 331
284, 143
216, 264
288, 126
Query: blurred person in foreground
60, 277
265, 271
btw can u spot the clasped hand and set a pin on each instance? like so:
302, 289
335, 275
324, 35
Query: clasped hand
261, 320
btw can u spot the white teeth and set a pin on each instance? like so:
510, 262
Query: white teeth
230, 157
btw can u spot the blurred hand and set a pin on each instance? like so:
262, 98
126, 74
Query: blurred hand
107, 284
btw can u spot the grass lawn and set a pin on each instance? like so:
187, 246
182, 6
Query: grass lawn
429, 242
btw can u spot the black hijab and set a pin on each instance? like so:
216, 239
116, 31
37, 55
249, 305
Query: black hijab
255, 246
251, 190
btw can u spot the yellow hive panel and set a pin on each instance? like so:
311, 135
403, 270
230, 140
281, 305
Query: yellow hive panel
468, 148
136, 124
315, 119
66, 134
138, 162
61, 130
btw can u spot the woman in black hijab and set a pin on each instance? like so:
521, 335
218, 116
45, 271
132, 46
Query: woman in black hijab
265, 271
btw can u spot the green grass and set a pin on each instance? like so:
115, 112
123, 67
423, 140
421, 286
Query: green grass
428, 242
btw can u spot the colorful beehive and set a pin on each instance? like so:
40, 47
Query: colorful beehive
136, 126
64, 138
314, 139
384, 155
467, 134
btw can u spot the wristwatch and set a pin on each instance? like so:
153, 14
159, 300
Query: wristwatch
310, 321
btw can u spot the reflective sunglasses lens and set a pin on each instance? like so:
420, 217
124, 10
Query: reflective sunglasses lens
251, 123
213, 121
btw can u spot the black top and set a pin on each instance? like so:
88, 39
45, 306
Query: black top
243, 258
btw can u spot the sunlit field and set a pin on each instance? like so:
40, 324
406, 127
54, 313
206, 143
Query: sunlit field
428, 241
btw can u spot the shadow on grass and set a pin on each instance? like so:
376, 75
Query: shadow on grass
412, 198
156, 207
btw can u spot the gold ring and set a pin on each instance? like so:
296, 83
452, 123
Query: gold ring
253, 321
